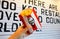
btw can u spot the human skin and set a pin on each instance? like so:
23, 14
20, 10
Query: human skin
23, 31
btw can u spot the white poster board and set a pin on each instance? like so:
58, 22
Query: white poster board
47, 12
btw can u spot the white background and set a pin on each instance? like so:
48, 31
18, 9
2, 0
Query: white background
49, 31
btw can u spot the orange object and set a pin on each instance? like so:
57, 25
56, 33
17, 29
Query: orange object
19, 32
24, 16
27, 13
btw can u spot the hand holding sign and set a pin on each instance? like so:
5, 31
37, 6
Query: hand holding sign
28, 24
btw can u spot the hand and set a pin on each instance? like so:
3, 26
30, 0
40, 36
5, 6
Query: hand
21, 32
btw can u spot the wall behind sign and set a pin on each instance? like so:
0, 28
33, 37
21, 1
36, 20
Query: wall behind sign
9, 21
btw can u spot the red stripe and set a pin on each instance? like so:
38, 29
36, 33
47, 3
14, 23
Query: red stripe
34, 12
22, 19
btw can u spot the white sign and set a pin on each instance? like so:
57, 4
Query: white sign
47, 12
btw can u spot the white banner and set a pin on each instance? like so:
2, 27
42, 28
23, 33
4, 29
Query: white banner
47, 11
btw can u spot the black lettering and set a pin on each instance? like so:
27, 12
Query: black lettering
40, 18
1, 25
51, 20
35, 1
39, 3
53, 13
57, 14
47, 19
50, 13
50, 6
23, 7
29, 6
13, 6
15, 16
25, 1
57, 21
31, 1
16, 26
5, 4
42, 11
46, 12
5, 28
1, 15
56, 8
8, 16
43, 4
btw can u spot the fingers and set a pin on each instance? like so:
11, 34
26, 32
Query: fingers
30, 29
19, 32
